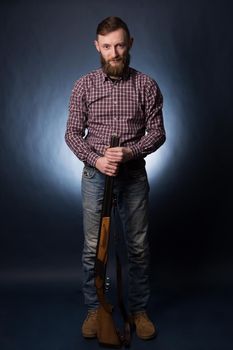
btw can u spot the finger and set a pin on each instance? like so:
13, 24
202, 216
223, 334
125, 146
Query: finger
113, 150
112, 159
112, 169
113, 153
111, 172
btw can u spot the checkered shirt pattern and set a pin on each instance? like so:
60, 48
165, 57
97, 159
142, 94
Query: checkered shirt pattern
130, 108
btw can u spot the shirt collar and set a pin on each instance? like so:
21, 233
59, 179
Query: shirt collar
124, 77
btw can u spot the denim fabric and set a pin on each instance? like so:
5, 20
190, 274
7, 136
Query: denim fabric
131, 190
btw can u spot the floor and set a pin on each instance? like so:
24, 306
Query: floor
41, 317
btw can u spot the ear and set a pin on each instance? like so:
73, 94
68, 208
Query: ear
131, 42
97, 45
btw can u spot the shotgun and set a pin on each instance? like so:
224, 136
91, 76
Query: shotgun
107, 333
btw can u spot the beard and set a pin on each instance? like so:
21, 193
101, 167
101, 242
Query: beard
116, 71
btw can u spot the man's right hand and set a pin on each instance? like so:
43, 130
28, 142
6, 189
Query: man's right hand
106, 167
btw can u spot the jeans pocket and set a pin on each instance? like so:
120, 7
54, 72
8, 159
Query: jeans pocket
138, 174
88, 172
139, 178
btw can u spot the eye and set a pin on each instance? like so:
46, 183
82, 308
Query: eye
106, 46
121, 46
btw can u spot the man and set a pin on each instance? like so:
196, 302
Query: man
116, 99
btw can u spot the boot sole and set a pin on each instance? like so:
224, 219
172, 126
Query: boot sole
148, 337
89, 336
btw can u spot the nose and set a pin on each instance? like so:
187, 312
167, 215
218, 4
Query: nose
114, 52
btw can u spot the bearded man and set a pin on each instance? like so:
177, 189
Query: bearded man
116, 99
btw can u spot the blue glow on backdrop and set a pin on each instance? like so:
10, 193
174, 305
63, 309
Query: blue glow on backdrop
49, 152
53, 157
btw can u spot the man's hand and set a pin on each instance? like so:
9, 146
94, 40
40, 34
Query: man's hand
118, 154
109, 163
107, 167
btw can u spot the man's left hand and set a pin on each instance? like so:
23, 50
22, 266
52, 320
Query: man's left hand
118, 154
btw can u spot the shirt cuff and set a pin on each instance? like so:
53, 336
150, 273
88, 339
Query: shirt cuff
92, 158
135, 151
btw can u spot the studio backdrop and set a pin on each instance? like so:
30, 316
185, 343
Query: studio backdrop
186, 46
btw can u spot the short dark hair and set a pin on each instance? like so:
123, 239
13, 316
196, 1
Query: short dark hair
110, 24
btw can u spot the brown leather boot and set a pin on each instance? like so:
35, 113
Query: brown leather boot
89, 327
145, 329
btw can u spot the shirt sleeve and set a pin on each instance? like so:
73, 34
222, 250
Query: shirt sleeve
155, 134
77, 124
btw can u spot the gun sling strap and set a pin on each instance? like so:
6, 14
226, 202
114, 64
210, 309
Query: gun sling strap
107, 333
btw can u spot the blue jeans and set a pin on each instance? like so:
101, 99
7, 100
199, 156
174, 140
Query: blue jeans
131, 189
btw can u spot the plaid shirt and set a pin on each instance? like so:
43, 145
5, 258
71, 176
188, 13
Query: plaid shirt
130, 107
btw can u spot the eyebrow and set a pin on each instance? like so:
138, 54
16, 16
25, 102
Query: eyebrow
119, 43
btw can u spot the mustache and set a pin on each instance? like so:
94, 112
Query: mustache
124, 59
116, 59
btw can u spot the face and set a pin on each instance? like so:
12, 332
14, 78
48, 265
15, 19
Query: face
114, 52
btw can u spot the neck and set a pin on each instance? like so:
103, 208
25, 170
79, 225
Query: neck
115, 78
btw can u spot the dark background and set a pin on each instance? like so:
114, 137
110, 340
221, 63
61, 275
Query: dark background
186, 46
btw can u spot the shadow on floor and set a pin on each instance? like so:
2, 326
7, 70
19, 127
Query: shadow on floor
50, 318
